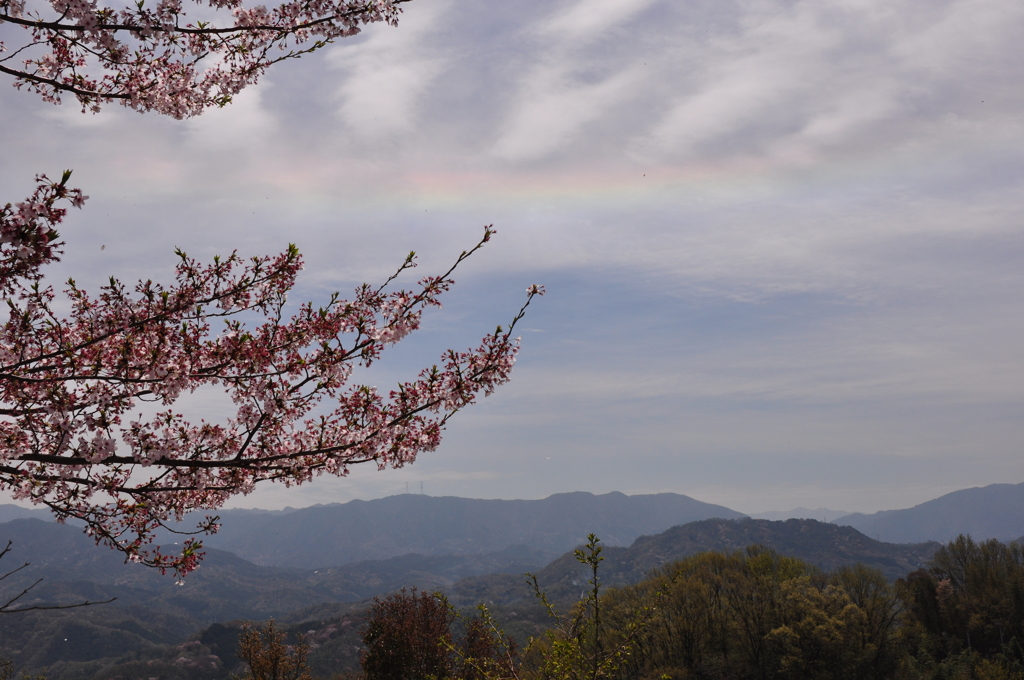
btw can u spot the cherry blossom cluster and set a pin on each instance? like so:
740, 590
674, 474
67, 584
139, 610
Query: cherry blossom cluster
72, 436
28, 235
152, 56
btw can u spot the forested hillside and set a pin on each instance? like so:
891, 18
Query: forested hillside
153, 616
194, 627
824, 546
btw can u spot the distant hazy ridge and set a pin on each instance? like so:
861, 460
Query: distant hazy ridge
344, 533
340, 533
993, 511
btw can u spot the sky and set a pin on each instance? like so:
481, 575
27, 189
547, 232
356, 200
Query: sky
782, 240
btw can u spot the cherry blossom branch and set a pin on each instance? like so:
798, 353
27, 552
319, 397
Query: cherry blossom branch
69, 436
148, 57
189, 29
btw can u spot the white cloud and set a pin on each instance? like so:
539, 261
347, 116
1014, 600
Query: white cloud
791, 83
589, 19
244, 125
387, 74
564, 85
964, 36
754, 83
553, 110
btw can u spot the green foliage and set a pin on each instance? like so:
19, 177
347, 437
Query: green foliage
757, 614
752, 614
965, 615
581, 645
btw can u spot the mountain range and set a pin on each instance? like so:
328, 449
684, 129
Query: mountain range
315, 568
341, 533
993, 511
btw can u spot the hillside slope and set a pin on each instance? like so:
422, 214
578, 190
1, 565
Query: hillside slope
152, 612
993, 511
153, 617
826, 546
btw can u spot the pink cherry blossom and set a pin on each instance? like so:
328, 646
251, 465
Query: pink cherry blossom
70, 434
151, 56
